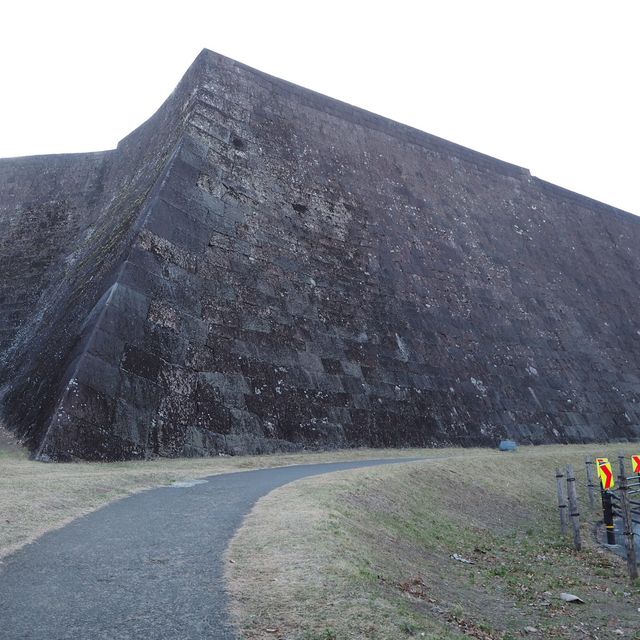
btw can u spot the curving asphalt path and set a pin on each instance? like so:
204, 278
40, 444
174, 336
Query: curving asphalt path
149, 566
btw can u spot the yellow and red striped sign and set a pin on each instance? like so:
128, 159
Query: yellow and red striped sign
605, 473
635, 464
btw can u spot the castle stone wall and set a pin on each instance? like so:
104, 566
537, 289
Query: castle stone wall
281, 270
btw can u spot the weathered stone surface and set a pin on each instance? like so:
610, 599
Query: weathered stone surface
259, 267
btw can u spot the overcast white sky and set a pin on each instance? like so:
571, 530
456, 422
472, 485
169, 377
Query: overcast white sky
553, 86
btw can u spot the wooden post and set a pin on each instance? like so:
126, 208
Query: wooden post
622, 472
573, 506
627, 522
562, 501
591, 481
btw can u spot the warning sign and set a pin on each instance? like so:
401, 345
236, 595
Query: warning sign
605, 473
635, 464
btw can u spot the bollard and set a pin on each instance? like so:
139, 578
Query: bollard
590, 464
562, 501
607, 516
573, 507
629, 537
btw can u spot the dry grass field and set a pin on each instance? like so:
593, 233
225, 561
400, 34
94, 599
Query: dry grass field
368, 554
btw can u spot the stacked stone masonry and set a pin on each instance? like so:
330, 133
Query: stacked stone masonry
259, 267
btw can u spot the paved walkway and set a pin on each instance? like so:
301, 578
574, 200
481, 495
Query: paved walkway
149, 566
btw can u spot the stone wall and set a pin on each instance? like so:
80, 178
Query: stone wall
261, 267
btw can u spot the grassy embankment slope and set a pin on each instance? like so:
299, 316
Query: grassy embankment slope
367, 554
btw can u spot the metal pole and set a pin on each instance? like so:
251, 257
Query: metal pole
562, 501
629, 537
573, 506
590, 464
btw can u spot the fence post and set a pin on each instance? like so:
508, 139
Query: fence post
562, 501
589, 463
629, 537
573, 506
